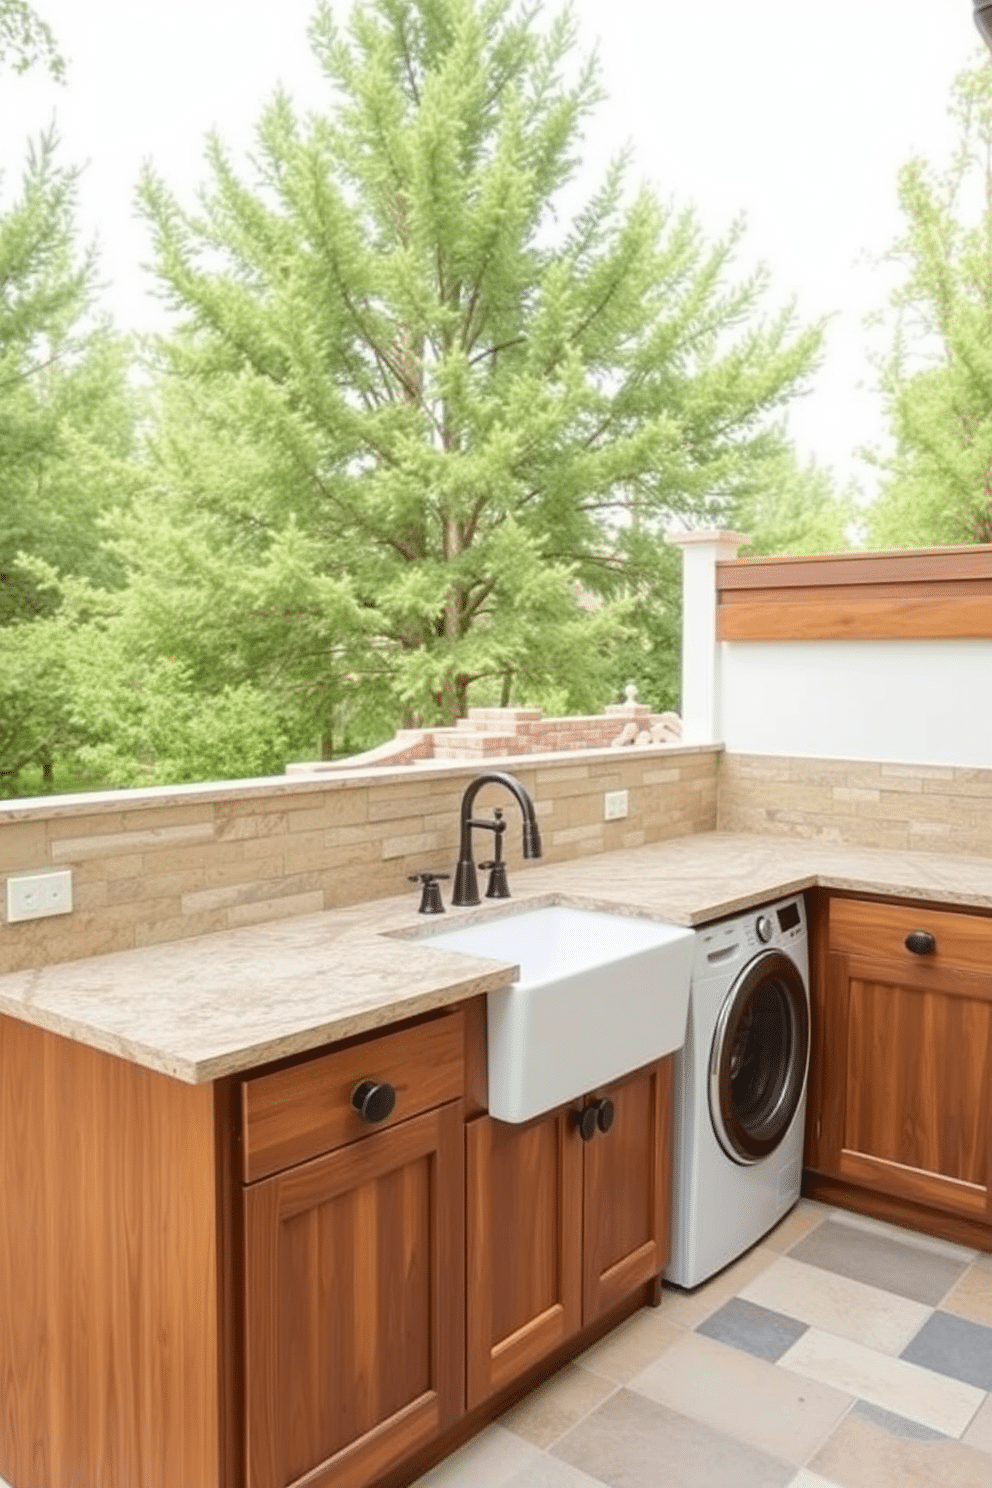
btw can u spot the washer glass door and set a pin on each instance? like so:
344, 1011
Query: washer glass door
759, 1057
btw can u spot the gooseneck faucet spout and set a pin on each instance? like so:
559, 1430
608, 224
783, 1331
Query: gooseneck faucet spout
466, 889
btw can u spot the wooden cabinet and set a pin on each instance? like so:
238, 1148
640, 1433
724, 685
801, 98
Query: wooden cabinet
559, 1229
274, 1292
354, 1261
901, 1095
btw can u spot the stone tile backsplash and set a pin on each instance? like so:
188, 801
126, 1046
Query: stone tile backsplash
937, 808
166, 864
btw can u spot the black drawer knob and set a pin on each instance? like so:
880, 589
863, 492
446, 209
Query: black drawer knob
373, 1100
605, 1112
585, 1122
921, 943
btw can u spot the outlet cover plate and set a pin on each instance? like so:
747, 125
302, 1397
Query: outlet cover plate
33, 896
616, 804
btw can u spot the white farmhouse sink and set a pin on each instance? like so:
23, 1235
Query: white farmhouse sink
598, 995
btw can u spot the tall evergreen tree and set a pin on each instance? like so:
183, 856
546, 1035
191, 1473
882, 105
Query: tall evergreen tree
938, 381
417, 432
66, 432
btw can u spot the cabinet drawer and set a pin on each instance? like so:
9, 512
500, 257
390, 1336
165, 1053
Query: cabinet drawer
297, 1113
879, 931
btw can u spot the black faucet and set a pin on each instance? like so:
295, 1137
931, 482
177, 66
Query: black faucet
466, 890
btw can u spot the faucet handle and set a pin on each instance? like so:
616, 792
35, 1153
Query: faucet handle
498, 888
430, 899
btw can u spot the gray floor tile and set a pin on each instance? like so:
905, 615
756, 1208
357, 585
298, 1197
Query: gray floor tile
755, 1329
879, 1261
895, 1425
954, 1346
631, 1442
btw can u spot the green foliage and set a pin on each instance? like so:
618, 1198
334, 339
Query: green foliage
419, 441
25, 40
938, 380
795, 509
66, 437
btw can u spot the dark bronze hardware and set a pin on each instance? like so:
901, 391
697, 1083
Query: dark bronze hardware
921, 943
430, 899
466, 889
373, 1100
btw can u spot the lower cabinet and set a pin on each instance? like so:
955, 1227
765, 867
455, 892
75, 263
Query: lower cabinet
562, 1227
364, 1193
903, 1080
354, 1264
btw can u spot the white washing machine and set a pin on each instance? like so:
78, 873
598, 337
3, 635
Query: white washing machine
740, 1088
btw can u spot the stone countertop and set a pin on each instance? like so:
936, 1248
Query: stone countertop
220, 1004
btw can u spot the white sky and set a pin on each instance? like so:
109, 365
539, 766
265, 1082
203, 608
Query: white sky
797, 113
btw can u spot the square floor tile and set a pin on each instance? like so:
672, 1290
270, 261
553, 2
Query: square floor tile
906, 1236
556, 1406
836, 1304
490, 1460
900, 1426
947, 1405
755, 1329
972, 1296
632, 1442
633, 1346
743, 1397
880, 1261
861, 1454
954, 1346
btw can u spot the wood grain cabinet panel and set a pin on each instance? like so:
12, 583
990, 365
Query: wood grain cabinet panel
627, 1192
560, 1230
904, 1079
354, 1312
523, 1219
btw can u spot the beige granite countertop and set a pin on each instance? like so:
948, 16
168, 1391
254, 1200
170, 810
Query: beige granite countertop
219, 1004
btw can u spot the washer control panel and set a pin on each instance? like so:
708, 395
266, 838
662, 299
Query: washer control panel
734, 941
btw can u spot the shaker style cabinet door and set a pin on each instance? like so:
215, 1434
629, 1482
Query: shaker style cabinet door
354, 1309
627, 1191
524, 1233
561, 1229
905, 1079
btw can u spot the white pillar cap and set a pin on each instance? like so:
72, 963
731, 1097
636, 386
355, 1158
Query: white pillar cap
716, 536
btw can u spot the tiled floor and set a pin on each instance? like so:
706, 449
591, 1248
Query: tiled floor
837, 1352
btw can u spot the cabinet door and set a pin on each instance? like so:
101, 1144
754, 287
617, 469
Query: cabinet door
905, 1079
524, 1230
354, 1306
627, 1191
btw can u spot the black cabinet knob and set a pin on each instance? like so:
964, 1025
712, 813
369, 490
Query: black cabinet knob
921, 943
585, 1121
373, 1100
605, 1112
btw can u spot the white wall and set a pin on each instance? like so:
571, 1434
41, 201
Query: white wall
914, 702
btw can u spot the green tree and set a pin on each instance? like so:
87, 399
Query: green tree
66, 436
419, 439
25, 39
937, 487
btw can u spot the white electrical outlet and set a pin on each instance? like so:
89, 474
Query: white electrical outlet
32, 896
616, 804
